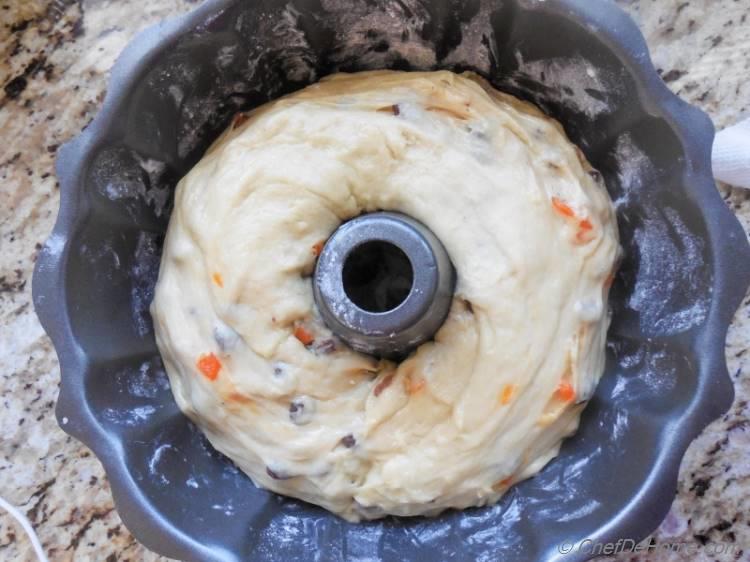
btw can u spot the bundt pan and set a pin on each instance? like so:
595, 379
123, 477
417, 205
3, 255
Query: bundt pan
177, 86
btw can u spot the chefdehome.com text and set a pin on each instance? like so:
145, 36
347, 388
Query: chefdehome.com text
596, 548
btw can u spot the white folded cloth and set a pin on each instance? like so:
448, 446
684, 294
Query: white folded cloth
730, 157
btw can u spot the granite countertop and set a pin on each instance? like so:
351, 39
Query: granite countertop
56, 55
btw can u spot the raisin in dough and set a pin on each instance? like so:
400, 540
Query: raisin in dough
530, 230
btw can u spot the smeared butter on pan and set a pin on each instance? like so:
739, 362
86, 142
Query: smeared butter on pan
532, 235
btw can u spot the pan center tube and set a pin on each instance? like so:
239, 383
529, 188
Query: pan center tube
384, 284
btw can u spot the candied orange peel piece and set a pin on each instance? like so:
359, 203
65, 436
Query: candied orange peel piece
507, 393
562, 207
303, 335
317, 248
412, 386
209, 366
565, 391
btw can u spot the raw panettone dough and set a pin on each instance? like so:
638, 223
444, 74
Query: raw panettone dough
531, 232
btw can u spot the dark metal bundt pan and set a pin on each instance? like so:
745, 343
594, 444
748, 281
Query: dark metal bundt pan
177, 85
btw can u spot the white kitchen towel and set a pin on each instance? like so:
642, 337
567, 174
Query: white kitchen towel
730, 157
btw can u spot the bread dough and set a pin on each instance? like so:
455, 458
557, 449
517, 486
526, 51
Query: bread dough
532, 235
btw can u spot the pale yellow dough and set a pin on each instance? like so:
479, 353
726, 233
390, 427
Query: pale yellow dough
532, 235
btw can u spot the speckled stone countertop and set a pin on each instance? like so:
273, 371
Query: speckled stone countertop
54, 64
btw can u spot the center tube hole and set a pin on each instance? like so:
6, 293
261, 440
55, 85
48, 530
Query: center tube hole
377, 276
